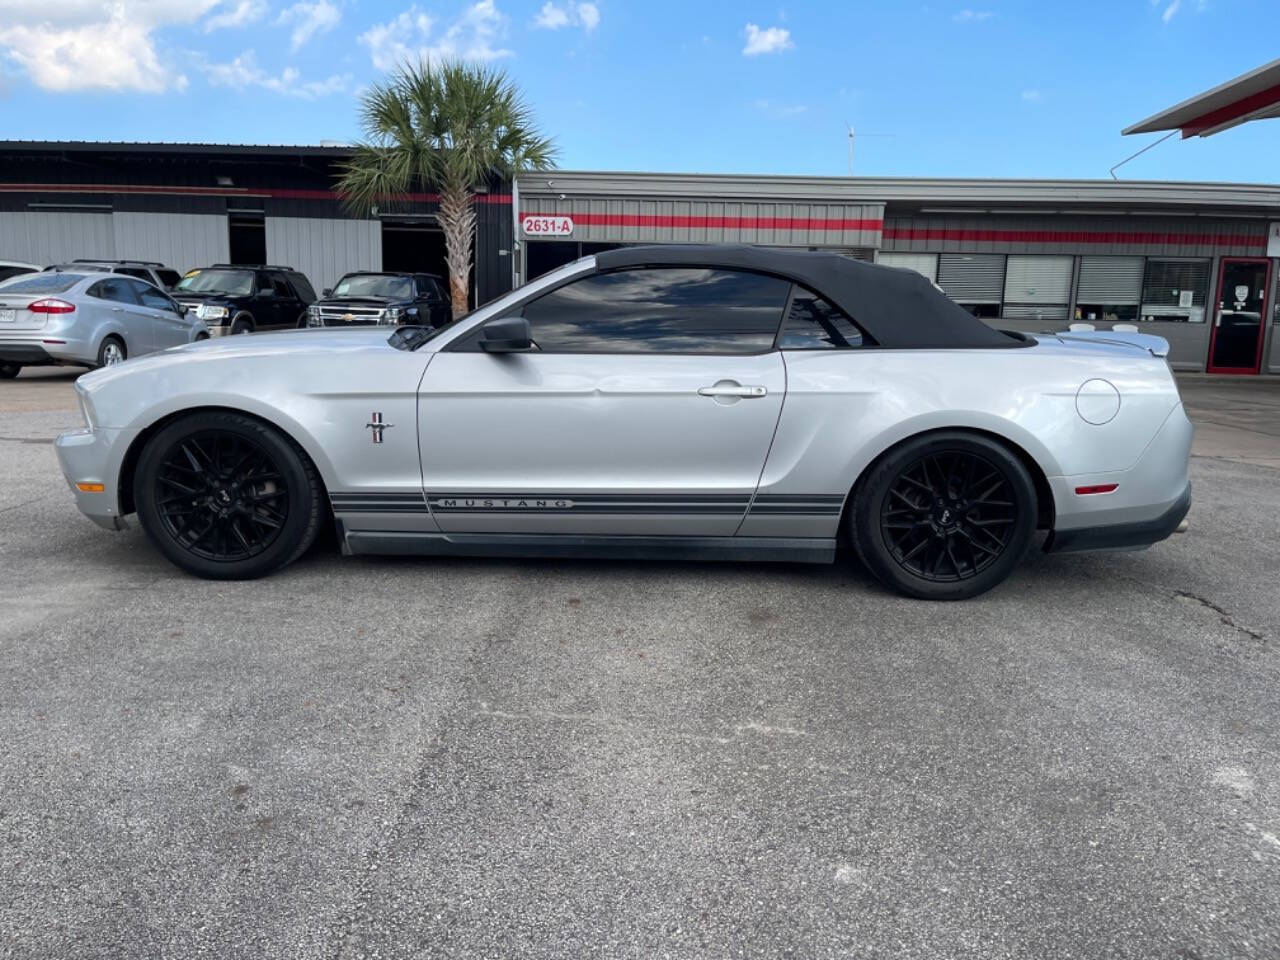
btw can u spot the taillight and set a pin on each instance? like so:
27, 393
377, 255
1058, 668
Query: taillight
51, 305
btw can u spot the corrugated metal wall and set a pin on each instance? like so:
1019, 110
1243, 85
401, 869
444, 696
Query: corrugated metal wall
324, 249
46, 237
1150, 236
791, 223
178, 240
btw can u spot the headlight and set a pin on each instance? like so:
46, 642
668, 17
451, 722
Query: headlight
389, 315
207, 312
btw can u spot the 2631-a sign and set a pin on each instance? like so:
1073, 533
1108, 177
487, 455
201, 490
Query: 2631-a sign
535, 226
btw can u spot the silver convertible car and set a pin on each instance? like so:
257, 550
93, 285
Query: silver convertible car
727, 403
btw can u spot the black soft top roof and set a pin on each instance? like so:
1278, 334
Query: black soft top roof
898, 308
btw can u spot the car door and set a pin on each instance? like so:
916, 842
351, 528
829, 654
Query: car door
169, 324
646, 408
433, 308
266, 311
289, 306
122, 306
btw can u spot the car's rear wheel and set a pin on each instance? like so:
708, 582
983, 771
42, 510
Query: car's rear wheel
945, 516
242, 325
227, 497
9, 370
112, 351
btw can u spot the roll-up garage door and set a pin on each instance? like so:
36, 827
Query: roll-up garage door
971, 277
1037, 287
925, 264
1111, 280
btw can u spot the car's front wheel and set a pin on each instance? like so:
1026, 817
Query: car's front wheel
227, 497
945, 516
241, 325
9, 370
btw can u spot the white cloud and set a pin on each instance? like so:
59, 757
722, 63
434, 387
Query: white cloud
308, 19
767, 40
243, 72
1032, 96
553, 16
971, 16
474, 35
236, 14
1171, 11
780, 109
87, 45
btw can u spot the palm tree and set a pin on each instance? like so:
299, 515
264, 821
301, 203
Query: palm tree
445, 126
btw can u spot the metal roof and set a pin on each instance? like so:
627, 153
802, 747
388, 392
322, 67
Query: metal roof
1251, 96
127, 146
929, 193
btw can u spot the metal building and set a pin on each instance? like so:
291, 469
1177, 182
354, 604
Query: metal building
1191, 262
192, 205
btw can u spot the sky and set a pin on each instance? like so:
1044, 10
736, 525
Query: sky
971, 88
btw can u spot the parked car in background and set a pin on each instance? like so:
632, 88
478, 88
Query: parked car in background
11, 268
632, 404
88, 319
152, 271
368, 298
235, 299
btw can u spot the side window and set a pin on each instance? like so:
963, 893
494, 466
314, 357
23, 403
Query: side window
264, 283
134, 272
7, 272
303, 286
282, 287
149, 296
814, 324
117, 291
661, 310
169, 278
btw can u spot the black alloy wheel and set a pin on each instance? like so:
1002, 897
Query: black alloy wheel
9, 370
945, 516
226, 496
221, 496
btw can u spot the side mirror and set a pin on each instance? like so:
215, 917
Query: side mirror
327, 292
508, 335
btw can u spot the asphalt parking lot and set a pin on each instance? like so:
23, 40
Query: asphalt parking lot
388, 758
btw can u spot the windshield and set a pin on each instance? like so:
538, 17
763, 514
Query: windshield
237, 283
41, 282
373, 285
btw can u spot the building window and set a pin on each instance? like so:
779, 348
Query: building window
1037, 287
1175, 290
1110, 289
973, 280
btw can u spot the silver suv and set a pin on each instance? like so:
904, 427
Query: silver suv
88, 319
152, 271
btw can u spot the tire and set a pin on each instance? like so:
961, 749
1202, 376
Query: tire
9, 370
112, 351
241, 325
227, 497
200, 337
944, 516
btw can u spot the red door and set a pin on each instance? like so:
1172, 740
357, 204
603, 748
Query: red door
1239, 316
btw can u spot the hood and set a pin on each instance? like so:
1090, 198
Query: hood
362, 301
285, 347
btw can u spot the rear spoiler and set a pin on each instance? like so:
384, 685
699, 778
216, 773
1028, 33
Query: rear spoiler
1156, 346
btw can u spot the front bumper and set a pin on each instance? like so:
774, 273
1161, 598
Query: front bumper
93, 456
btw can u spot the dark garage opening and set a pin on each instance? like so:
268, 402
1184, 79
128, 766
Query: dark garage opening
248, 236
543, 256
416, 247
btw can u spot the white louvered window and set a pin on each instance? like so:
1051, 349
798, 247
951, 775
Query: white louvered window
1037, 287
1110, 289
973, 280
925, 264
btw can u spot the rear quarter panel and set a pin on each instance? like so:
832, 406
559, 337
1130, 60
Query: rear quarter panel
845, 408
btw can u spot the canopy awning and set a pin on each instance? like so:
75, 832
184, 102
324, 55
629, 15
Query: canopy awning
1252, 96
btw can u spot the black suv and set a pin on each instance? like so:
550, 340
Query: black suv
232, 298
397, 299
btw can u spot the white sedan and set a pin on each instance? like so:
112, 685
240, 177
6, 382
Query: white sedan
725, 403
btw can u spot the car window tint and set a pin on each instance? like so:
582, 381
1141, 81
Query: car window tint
814, 324
282, 287
169, 278
117, 290
149, 296
42, 282
7, 272
138, 272
264, 282
660, 310
303, 287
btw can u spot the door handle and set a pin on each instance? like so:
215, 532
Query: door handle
731, 388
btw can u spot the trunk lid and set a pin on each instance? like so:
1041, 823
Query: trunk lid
14, 314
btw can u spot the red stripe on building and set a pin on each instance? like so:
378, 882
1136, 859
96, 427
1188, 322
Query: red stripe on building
282, 193
945, 234
719, 223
